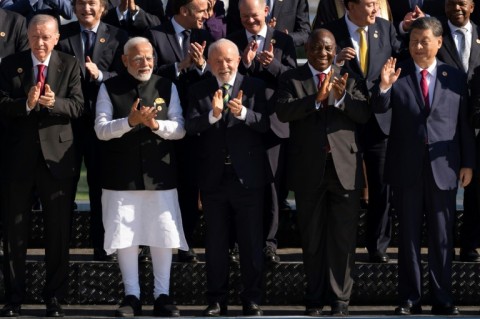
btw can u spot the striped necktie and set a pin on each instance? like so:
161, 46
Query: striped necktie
226, 96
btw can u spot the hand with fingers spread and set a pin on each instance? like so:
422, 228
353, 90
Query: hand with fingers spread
48, 99
217, 103
266, 57
325, 88
388, 76
272, 23
235, 104
345, 54
149, 113
33, 95
92, 68
250, 52
143, 115
412, 16
196, 53
339, 85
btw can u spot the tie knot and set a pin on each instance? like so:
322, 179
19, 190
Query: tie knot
461, 31
255, 37
321, 78
186, 33
41, 68
361, 31
226, 87
424, 73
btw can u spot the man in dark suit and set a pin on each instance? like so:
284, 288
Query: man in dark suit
324, 169
431, 149
291, 17
14, 29
179, 46
98, 47
266, 54
41, 93
135, 16
228, 112
56, 8
381, 42
461, 49
400, 8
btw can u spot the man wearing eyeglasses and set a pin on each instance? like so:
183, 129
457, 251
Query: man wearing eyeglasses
138, 114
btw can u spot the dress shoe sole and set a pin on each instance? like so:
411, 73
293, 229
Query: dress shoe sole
55, 314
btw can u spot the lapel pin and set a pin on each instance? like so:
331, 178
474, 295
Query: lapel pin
19, 70
158, 103
102, 40
444, 73
2, 34
375, 35
478, 41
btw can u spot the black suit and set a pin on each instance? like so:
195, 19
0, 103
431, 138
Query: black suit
383, 43
41, 156
326, 185
150, 15
470, 232
168, 52
106, 55
14, 27
231, 193
276, 137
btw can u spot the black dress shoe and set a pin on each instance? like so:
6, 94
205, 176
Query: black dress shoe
251, 309
215, 310
188, 256
100, 255
271, 255
379, 258
313, 312
469, 255
11, 310
339, 310
407, 309
144, 256
130, 307
445, 310
165, 307
54, 309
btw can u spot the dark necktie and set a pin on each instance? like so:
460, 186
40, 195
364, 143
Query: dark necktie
321, 78
424, 87
41, 77
89, 43
186, 42
226, 97
462, 50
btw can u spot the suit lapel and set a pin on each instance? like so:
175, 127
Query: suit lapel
345, 41
172, 38
450, 47
374, 45
101, 41
237, 85
308, 83
412, 81
475, 49
277, 8
55, 67
440, 81
27, 77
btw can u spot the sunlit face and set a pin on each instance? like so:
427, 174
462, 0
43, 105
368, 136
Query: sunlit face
252, 15
195, 14
320, 50
223, 62
458, 11
42, 38
424, 46
89, 12
139, 61
363, 13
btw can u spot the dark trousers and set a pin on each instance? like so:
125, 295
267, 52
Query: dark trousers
55, 196
470, 231
231, 202
327, 223
439, 207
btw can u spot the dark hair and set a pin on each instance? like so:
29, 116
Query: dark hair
177, 4
103, 3
346, 2
428, 23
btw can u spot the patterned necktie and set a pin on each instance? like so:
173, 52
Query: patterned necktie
41, 77
185, 42
89, 43
424, 87
363, 47
462, 50
226, 96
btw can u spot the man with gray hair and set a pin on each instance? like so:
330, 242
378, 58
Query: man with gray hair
138, 114
430, 151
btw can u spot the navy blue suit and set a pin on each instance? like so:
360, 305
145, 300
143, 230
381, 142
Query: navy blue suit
424, 155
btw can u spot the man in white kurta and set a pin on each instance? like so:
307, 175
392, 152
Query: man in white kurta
137, 116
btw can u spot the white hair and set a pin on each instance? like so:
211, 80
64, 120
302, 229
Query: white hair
220, 43
133, 42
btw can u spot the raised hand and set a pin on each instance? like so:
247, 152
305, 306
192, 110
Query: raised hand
48, 99
345, 54
217, 103
196, 53
235, 104
338, 86
388, 75
266, 57
91, 68
250, 52
325, 89
33, 95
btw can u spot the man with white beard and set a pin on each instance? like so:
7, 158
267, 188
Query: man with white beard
137, 116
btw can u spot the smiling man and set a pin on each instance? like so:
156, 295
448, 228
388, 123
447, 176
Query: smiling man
323, 108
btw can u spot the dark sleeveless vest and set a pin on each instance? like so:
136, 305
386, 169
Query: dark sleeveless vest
140, 159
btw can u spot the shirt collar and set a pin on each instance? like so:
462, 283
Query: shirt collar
352, 27
176, 26
454, 28
94, 29
263, 32
431, 69
315, 71
231, 82
37, 62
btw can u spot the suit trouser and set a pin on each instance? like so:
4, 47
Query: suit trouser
470, 231
55, 195
439, 207
232, 202
327, 221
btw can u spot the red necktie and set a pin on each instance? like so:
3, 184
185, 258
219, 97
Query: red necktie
41, 77
321, 78
424, 87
